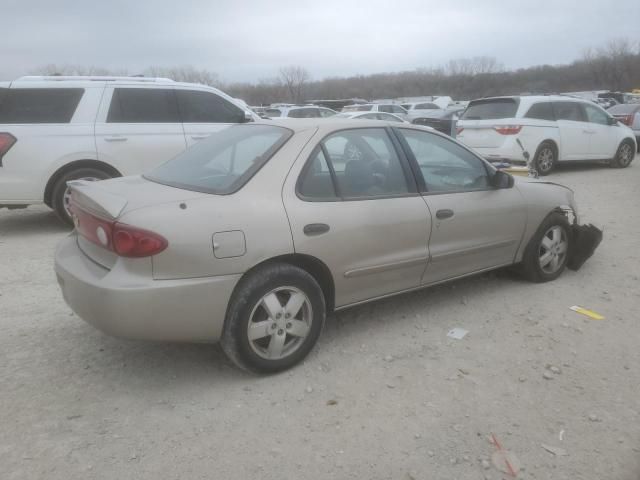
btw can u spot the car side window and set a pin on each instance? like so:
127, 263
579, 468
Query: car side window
541, 111
569, 111
595, 115
39, 105
384, 108
365, 164
316, 182
445, 165
197, 106
325, 112
397, 109
143, 105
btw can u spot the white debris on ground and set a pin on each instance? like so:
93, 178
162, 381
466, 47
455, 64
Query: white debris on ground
385, 394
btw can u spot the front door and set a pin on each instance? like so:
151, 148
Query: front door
354, 205
138, 128
604, 140
203, 113
475, 226
575, 132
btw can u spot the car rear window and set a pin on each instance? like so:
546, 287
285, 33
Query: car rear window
624, 109
225, 161
491, 109
39, 105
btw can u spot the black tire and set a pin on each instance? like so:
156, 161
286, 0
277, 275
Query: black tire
546, 158
624, 155
530, 268
246, 298
60, 187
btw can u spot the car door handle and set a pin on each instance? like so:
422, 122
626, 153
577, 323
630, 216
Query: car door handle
118, 138
445, 213
199, 137
588, 131
315, 229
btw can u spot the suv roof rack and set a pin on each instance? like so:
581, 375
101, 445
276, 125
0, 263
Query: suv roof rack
94, 78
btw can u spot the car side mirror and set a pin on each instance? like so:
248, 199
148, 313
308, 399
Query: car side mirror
501, 179
247, 117
613, 121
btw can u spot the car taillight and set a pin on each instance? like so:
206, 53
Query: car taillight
122, 239
508, 129
626, 119
135, 242
6, 142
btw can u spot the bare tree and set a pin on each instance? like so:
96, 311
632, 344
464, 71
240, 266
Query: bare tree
294, 79
185, 73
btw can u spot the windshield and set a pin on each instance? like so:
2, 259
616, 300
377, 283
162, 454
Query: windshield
357, 108
225, 161
491, 109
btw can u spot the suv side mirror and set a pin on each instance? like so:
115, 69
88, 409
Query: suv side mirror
501, 179
612, 121
246, 117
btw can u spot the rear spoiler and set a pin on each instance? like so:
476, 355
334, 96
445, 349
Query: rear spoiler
91, 197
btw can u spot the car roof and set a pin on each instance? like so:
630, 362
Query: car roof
330, 124
534, 98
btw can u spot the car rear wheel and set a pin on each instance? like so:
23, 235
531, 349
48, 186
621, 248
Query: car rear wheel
545, 258
624, 155
274, 319
61, 194
545, 159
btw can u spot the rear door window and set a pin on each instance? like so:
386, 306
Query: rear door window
569, 111
541, 111
272, 112
316, 181
143, 105
304, 113
39, 105
491, 109
197, 106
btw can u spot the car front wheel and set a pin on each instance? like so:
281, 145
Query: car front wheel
547, 252
624, 155
274, 318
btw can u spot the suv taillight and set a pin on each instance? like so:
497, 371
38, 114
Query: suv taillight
122, 239
6, 142
508, 129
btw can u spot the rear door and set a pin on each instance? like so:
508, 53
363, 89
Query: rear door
354, 205
479, 119
204, 112
604, 137
475, 226
575, 132
138, 128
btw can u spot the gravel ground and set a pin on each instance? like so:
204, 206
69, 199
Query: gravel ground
385, 395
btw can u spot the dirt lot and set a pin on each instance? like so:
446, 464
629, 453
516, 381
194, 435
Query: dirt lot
386, 394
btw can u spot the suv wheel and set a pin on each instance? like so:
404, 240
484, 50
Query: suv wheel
545, 158
61, 194
624, 155
274, 319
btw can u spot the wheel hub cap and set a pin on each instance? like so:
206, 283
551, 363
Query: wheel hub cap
552, 251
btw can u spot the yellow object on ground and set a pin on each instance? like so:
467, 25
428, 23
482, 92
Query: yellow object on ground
520, 171
588, 313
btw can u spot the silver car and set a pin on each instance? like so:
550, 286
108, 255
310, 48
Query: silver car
255, 234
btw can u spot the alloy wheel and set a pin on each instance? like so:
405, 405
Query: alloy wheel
545, 160
625, 155
279, 323
552, 251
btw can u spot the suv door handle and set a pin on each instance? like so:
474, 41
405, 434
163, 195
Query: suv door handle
588, 131
118, 138
315, 229
199, 137
445, 213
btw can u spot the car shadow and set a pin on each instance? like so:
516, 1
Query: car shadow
30, 221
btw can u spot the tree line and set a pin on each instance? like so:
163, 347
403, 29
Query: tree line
614, 66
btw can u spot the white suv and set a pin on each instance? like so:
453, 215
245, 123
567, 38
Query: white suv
298, 111
56, 129
552, 129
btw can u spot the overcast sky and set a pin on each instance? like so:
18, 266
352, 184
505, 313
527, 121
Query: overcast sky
248, 40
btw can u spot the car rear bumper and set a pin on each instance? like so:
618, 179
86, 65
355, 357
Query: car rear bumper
130, 304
